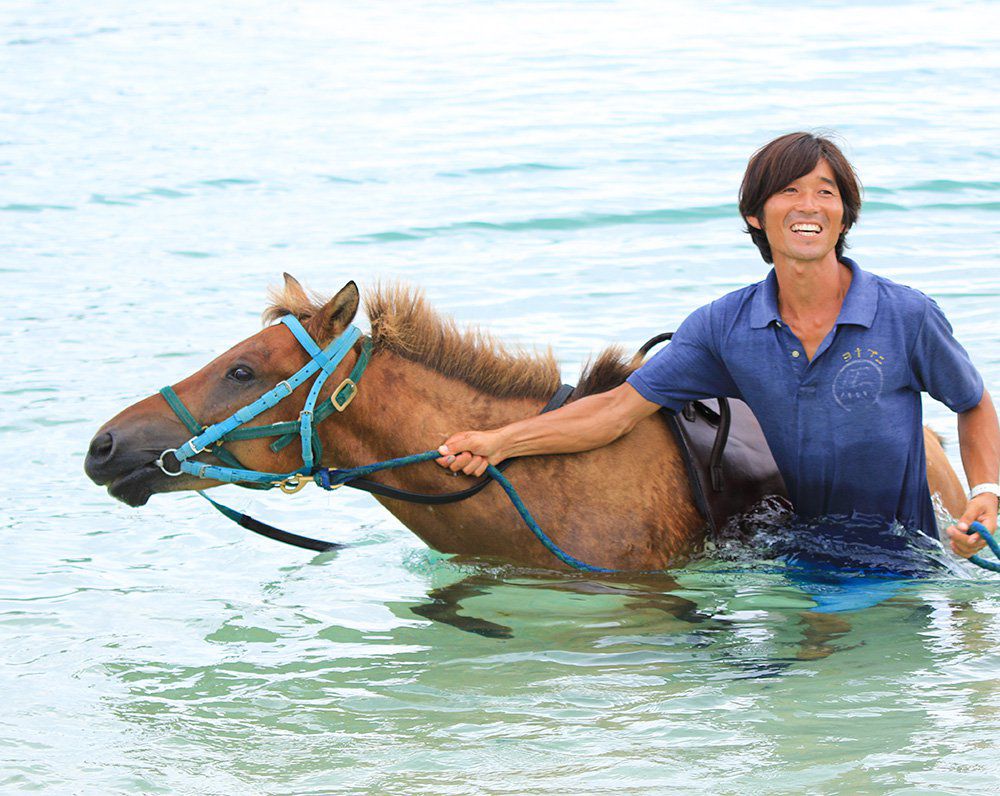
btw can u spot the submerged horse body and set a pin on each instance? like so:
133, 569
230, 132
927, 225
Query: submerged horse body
626, 506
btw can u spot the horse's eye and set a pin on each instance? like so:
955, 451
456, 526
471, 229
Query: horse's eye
241, 373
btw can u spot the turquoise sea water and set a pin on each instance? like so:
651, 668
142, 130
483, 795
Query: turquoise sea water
563, 173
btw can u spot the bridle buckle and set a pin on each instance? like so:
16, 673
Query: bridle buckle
346, 384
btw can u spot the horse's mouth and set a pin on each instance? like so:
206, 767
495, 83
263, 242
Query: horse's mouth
137, 486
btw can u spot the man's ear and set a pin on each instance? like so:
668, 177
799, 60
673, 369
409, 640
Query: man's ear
754, 222
336, 314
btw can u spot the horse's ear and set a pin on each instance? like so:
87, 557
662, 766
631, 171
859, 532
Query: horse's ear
336, 314
294, 288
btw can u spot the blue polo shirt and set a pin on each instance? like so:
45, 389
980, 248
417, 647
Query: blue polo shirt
845, 428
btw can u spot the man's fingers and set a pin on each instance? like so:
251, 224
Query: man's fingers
468, 452
446, 456
476, 466
963, 544
972, 546
452, 450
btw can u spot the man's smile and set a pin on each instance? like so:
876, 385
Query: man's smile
806, 228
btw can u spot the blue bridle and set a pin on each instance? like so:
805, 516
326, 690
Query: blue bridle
323, 362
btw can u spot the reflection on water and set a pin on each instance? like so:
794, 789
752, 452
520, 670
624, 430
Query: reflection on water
640, 676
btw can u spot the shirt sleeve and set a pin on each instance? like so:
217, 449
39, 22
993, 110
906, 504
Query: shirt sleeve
941, 366
687, 368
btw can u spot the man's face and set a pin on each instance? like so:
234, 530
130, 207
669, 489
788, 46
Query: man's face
804, 219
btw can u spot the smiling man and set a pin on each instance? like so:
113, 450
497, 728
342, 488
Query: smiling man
831, 359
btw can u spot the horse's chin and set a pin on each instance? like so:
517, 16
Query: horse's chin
137, 487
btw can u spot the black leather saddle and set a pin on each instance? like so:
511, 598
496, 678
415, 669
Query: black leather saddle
729, 464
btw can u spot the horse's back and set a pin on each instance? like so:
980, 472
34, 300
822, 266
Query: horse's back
941, 478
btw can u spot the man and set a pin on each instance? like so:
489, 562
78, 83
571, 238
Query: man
830, 358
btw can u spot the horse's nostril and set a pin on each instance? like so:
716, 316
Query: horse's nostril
101, 446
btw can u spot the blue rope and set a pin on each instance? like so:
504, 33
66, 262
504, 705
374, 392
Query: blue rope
993, 566
332, 478
551, 546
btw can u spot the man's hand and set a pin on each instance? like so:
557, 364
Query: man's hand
470, 452
979, 442
583, 425
982, 508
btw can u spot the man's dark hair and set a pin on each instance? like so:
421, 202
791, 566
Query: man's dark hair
777, 164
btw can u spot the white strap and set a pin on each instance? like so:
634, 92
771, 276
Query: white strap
983, 489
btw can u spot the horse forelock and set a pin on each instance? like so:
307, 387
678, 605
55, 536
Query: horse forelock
291, 300
404, 323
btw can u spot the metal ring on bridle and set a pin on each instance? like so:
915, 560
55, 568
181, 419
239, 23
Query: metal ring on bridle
163, 469
292, 485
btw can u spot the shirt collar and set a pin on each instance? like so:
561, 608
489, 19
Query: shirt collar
764, 310
858, 308
861, 300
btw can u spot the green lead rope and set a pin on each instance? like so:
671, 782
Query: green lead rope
993, 566
332, 478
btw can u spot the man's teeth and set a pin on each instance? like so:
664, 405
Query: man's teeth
808, 229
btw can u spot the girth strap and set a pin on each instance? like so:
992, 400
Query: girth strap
721, 420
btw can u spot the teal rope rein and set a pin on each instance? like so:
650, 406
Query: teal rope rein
979, 561
333, 478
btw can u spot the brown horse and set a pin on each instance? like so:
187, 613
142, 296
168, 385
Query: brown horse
625, 506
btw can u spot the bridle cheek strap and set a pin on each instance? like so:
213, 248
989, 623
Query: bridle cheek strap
323, 361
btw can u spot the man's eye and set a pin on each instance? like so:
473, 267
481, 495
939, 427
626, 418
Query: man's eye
241, 373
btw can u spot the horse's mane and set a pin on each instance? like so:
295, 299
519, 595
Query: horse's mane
404, 323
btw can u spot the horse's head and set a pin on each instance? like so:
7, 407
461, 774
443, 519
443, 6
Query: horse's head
124, 451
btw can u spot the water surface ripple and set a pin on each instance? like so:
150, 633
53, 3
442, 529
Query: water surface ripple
564, 173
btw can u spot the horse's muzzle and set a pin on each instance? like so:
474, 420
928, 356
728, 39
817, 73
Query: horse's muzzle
125, 465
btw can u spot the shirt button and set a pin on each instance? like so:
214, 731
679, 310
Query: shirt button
795, 354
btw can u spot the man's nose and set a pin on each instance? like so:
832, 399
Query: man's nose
807, 201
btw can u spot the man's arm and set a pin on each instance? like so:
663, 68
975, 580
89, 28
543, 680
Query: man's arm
979, 442
583, 425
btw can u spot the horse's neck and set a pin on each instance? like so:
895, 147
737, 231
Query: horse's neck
624, 522
403, 407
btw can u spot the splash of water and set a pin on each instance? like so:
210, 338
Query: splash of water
770, 536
